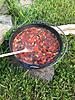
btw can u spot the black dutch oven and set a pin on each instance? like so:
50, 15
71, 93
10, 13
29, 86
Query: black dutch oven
41, 25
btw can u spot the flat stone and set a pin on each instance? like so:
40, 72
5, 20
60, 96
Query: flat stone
26, 2
46, 73
67, 29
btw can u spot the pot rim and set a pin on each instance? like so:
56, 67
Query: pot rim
20, 29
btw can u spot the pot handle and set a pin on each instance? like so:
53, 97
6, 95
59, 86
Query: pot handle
65, 43
41, 22
66, 40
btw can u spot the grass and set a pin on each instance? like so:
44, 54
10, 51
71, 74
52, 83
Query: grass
15, 83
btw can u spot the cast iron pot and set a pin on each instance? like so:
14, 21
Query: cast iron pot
42, 25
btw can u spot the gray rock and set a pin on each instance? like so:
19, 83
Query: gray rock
6, 19
5, 25
1, 3
3, 7
46, 73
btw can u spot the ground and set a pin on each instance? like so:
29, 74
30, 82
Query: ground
15, 83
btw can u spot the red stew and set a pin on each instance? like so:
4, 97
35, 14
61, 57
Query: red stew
44, 44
